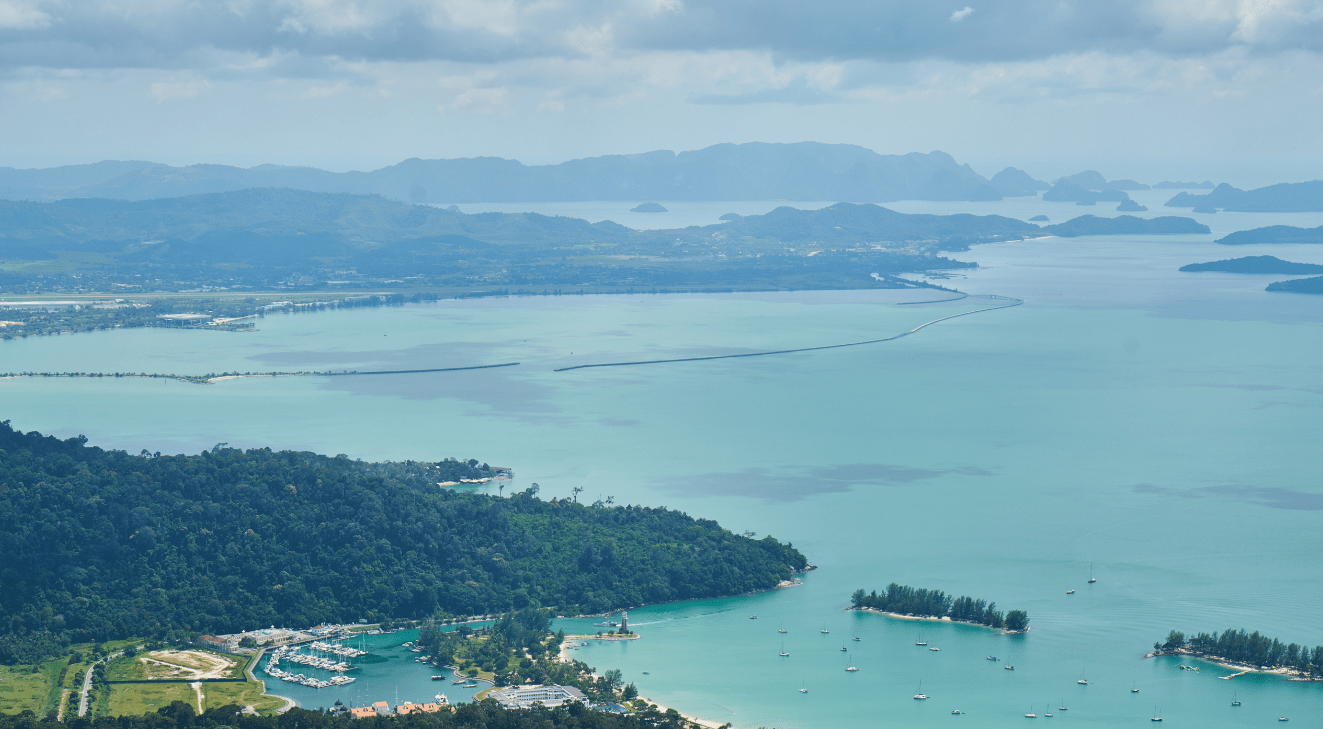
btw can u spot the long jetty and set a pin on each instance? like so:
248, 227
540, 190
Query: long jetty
1017, 302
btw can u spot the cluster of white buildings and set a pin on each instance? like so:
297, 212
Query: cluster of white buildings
524, 697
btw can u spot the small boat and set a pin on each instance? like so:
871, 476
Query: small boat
751, 617
438, 678
824, 630
934, 649
1083, 681
1234, 701
1009, 667
1091, 580
1070, 592
856, 639
1134, 689
918, 693
1156, 715
992, 658
803, 689
783, 650
1031, 715
645, 673
1063, 706
956, 711
1282, 718
842, 647
848, 667
781, 629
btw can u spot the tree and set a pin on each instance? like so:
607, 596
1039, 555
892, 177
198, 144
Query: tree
857, 599
630, 693
1017, 620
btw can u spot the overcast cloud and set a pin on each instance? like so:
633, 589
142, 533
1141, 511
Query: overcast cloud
296, 81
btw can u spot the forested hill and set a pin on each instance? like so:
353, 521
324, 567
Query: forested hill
753, 171
96, 544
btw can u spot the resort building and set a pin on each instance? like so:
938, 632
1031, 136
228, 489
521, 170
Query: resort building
225, 643
408, 708
362, 712
523, 697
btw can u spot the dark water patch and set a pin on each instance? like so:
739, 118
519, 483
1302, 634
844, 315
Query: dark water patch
793, 484
619, 422
1273, 497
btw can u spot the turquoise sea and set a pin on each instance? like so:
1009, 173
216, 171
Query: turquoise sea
1160, 426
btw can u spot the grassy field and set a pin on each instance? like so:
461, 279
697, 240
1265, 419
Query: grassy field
21, 689
248, 693
141, 698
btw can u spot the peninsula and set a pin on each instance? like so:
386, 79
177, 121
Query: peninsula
164, 546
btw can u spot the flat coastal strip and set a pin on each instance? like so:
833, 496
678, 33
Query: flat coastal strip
210, 380
348, 373
1017, 302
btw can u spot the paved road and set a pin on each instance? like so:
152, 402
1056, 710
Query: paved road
87, 688
87, 685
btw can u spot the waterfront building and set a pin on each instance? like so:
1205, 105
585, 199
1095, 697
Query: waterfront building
224, 643
523, 697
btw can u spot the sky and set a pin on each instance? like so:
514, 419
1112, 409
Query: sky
1143, 89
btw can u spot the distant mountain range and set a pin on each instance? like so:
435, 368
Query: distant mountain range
1288, 197
753, 171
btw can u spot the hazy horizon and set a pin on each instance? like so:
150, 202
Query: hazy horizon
1149, 90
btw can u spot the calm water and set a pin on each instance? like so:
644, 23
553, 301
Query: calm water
1161, 426
400, 678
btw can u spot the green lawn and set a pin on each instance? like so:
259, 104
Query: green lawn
248, 693
136, 699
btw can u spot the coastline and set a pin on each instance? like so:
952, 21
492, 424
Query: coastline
943, 619
564, 657
1290, 674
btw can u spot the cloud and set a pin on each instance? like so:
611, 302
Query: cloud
164, 91
171, 33
21, 15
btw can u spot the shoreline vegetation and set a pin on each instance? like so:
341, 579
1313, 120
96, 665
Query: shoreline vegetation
903, 601
1246, 653
254, 537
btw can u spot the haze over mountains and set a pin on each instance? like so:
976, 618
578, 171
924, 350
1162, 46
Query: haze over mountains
753, 171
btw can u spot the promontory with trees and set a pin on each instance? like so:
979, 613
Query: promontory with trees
1246, 649
98, 544
925, 603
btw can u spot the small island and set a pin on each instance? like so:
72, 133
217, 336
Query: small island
1254, 264
1130, 206
1125, 225
1039, 219
649, 207
730, 216
1273, 234
1246, 653
903, 601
